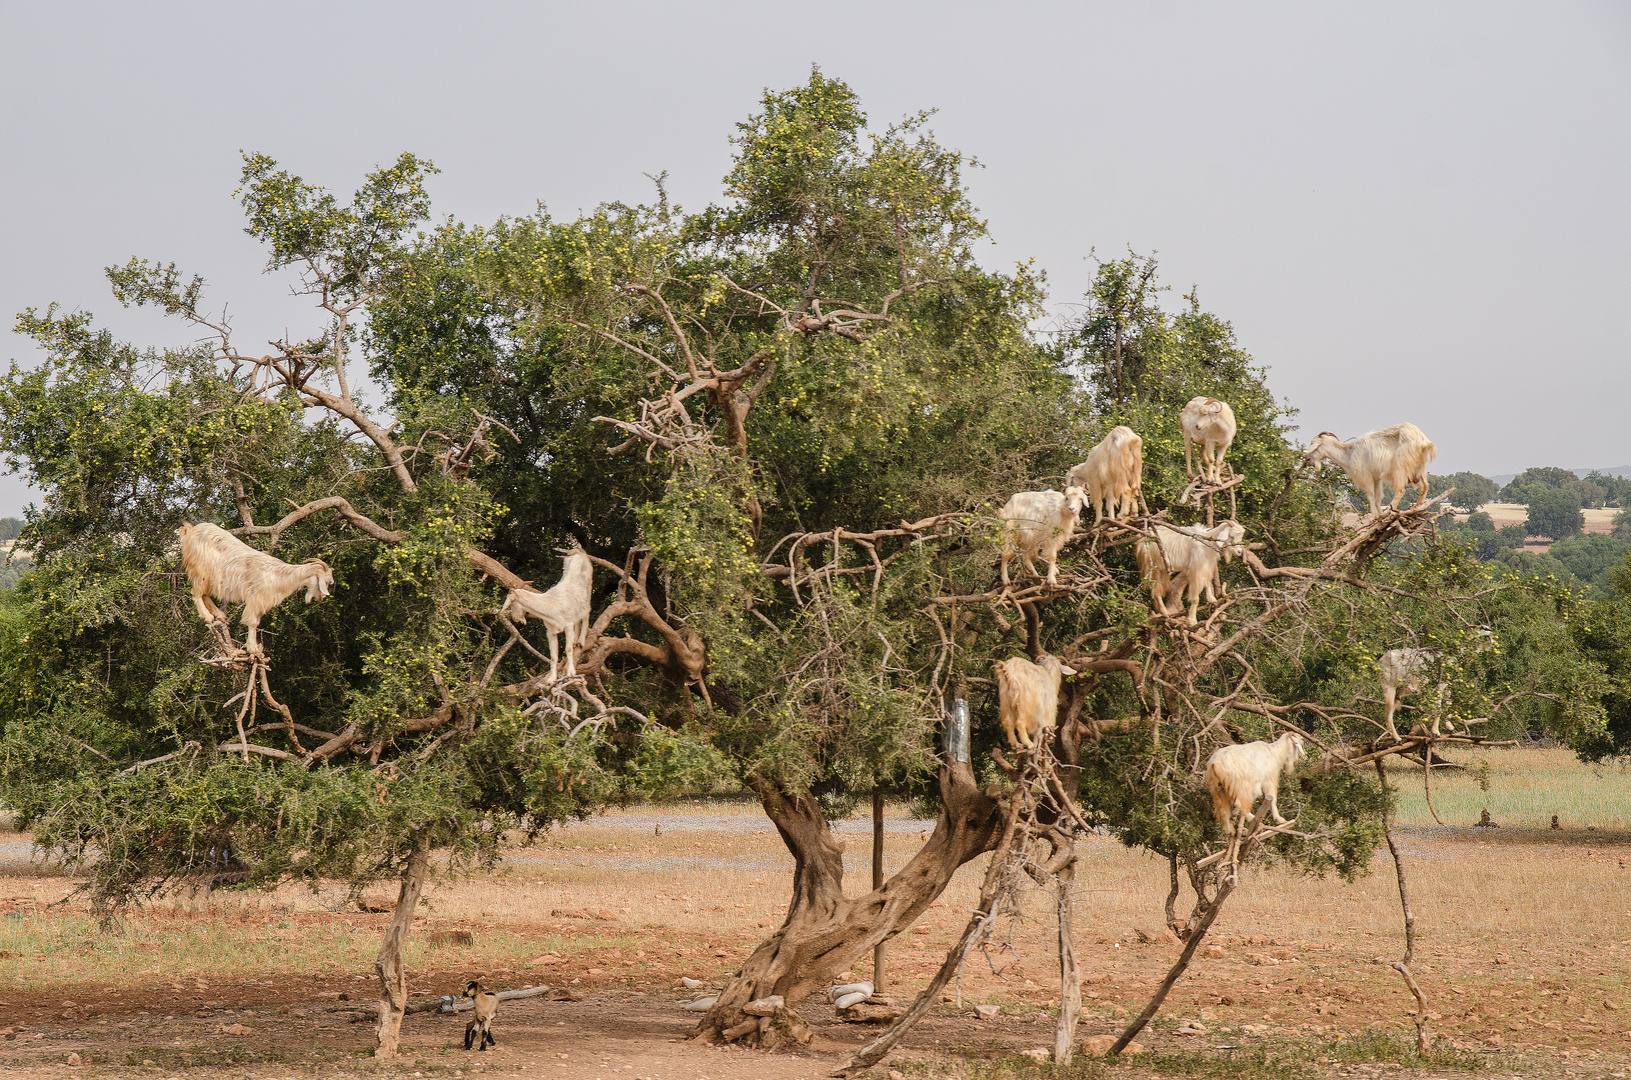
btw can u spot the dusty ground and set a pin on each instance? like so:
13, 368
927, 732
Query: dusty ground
1523, 955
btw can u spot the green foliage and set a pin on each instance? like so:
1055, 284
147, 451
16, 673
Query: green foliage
1544, 477
1471, 489
1591, 559
1616, 489
1553, 512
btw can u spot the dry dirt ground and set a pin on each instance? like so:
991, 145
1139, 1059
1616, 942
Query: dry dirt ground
1524, 948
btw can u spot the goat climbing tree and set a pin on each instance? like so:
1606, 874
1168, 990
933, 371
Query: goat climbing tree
780, 427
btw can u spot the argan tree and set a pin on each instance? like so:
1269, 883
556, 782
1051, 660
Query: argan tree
780, 426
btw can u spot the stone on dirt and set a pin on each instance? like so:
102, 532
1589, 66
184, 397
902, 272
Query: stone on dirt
874, 1011
987, 1012
1099, 1045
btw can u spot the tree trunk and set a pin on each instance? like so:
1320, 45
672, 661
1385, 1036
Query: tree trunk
1070, 980
826, 932
393, 979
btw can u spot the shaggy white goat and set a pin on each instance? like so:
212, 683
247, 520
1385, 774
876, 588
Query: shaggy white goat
1028, 697
1405, 671
1176, 558
1211, 423
564, 609
1238, 775
1398, 455
224, 567
1039, 523
1113, 474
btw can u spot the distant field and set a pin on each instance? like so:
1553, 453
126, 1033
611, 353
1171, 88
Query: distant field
1597, 521
1526, 787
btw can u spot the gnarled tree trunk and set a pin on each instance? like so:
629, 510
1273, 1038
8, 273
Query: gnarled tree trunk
826, 932
393, 978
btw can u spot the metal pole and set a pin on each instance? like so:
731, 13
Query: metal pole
877, 880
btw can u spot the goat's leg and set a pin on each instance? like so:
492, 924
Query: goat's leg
206, 606
569, 636
549, 632
1390, 697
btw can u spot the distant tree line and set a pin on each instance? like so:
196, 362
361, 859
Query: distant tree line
1556, 499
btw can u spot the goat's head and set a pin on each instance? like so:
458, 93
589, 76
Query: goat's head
1075, 500
513, 611
1320, 449
320, 581
1296, 743
1233, 535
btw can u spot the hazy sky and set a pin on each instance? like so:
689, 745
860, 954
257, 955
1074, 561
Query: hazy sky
1409, 211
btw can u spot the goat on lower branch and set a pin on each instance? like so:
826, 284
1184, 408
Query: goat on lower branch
1187, 556
1398, 455
1406, 671
1211, 423
224, 567
1039, 523
1113, 474
564, 609
1028, 698
1239, 774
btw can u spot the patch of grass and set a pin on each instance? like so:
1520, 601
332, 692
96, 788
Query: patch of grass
1526, 787
1376, 1047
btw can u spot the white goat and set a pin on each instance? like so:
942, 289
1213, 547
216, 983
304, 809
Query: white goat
1028, 698
1113, 474
564, 609
1398, 454
1039, 523
1238, 775
224, 567
1187, 556
1211, 423
1405, 671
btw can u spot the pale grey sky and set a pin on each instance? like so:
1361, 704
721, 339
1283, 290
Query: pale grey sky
1409, 211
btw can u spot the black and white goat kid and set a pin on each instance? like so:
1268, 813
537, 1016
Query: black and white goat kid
486, 1006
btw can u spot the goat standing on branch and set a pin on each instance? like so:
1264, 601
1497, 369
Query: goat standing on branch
1039, 523
1211, 423
1113, 474
1028, 698
1187, 556
1406, 671
1398, 455
225, 568
564, 609
1239, 774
